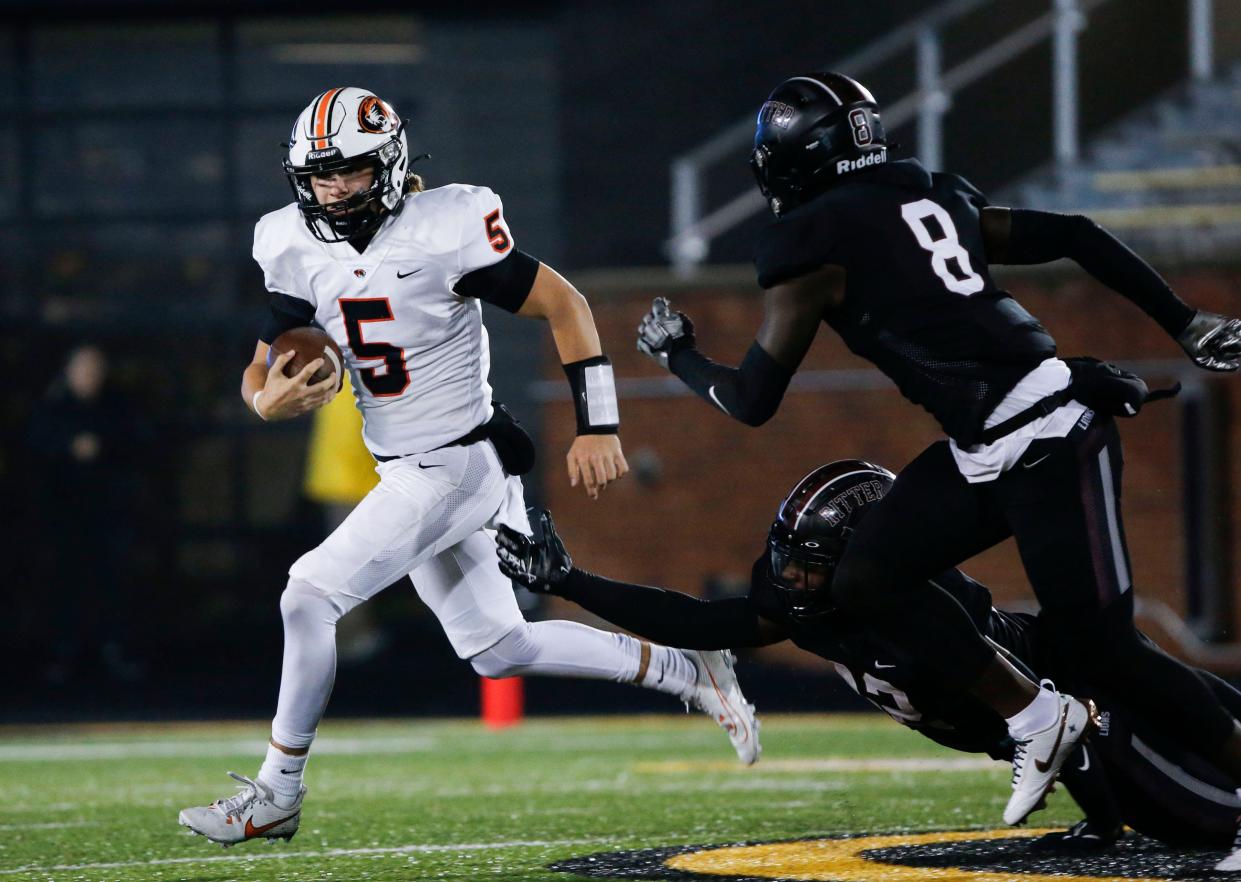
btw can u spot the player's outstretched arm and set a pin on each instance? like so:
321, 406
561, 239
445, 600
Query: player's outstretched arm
752, 392
273, 396
1022, 236
669, 617
596, 458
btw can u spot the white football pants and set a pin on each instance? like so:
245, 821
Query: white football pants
426, 518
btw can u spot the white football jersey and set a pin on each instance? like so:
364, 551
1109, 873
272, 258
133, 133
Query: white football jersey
417, 353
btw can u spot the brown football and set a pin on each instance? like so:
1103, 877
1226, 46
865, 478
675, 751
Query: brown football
309, 343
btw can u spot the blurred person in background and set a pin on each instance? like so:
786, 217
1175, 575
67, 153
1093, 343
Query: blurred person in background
340, 471
86, 441
396, 275
1033, 452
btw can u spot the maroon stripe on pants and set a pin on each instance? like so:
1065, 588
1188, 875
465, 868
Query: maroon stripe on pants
1090, 486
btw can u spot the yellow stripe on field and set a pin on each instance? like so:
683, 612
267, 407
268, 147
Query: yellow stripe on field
843, 860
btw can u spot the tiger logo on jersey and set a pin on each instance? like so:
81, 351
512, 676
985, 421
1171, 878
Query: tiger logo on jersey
375, 117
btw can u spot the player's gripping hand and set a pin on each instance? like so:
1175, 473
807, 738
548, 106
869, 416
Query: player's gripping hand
287, 397
1213, 341
596, 461
662, 331
539, 564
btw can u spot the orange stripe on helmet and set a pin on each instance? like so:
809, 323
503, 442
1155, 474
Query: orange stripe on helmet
322, 115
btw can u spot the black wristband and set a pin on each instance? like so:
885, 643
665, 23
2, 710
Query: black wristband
594, 395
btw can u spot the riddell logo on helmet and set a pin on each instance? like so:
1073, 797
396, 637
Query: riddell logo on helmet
851, 165
317, 155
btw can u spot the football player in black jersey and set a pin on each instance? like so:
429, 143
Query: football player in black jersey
1128, 773
1032, 452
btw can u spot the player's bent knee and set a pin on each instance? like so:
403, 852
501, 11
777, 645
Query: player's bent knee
509, 657
302, 603
488, 664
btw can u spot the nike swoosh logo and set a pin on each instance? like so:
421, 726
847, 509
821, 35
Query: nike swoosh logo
1085, 766
711, 393
252, 831
288, 771
1030, 465
1044, 765
434, 465
879, 667
401, 275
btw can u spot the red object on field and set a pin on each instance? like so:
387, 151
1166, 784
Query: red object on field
504, 702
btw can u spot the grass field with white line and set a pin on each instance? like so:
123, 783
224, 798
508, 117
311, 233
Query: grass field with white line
436, 799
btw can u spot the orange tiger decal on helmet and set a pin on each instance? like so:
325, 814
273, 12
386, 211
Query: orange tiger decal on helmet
375, 117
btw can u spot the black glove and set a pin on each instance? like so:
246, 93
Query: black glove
540, 563
1212, 341
662, 331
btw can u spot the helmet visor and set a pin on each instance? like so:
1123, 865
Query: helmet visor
802, 577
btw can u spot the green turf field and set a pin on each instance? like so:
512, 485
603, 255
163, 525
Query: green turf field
450, 800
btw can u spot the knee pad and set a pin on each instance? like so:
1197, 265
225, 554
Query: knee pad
301, 602
508, 657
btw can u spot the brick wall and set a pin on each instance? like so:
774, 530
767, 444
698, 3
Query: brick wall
711, 484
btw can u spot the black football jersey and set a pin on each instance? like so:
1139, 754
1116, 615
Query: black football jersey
892, 680
919, 300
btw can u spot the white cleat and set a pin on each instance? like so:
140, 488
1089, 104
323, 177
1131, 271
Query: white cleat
251, 814
718, 694
1037, 761
1232, 861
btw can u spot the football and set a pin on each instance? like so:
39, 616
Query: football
309, 343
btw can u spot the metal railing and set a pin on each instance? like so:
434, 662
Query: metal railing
693, 228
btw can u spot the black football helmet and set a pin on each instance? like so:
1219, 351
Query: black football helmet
812, 130
812, 528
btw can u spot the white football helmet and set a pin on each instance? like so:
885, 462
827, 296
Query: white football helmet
342, 128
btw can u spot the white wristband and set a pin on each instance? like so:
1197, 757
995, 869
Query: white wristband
254, 405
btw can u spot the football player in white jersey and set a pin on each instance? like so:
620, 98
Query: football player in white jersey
395, 274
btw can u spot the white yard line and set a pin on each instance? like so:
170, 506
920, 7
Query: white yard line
50, 825
249, 856
110, 750
829, 764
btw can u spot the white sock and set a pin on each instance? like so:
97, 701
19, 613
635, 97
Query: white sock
1038, 716
283, 774
309, 668
568, 649
667, 670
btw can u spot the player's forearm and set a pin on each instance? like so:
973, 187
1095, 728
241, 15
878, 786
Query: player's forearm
567, 314
750, 393
1042, 236
667, 617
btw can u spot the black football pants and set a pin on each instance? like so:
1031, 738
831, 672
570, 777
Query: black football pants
1061, 502
1132, 773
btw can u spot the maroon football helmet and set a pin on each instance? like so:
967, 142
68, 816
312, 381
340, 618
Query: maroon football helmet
813, 526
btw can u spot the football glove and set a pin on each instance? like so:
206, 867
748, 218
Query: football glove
1212, 341
540, 563
662, 331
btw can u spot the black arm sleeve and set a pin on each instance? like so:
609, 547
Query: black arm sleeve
505, 284
750, 393
1044, 236
285, 314
667, 617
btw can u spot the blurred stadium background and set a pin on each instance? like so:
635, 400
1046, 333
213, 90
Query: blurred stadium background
143, 142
